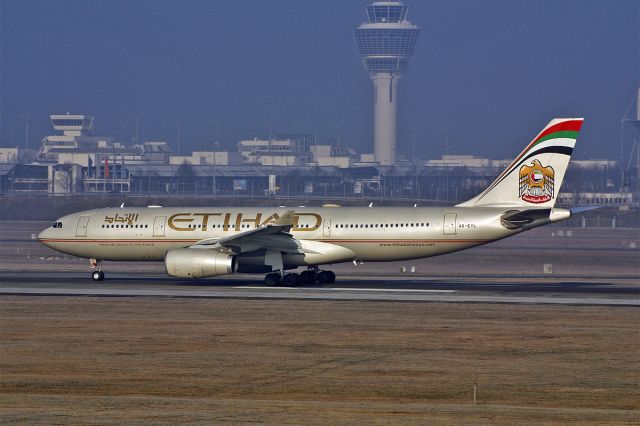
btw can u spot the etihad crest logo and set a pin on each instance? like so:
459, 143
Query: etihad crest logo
536, 183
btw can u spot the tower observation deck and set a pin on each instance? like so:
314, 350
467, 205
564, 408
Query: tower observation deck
386, 44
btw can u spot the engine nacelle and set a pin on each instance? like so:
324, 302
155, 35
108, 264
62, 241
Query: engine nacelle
198, 263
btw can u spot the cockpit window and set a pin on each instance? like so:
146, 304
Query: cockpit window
57, 224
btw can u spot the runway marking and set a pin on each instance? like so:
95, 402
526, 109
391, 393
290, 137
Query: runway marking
267, 288
389, 290
399, 290
328, 294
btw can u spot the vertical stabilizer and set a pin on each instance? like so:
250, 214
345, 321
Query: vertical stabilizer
533, 179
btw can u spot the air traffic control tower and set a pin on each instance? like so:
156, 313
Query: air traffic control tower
386, 44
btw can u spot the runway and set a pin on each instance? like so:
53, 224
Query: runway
350, 287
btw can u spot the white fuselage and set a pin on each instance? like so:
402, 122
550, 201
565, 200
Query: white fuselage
367, 234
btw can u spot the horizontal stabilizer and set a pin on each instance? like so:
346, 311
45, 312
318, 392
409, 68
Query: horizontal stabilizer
582, 209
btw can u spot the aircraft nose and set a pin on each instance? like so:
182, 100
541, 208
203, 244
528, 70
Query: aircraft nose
43, 235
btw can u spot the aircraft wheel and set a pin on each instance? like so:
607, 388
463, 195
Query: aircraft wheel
273, 279
308, 277
326, 277
97, 275
291, 279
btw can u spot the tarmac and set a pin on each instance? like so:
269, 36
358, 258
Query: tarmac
586, 267
349, 287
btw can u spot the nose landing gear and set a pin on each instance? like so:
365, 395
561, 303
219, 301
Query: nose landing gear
96, 275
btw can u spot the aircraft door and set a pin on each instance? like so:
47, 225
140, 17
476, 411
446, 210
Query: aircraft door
326, 229
449, 224
158, 226
81, 229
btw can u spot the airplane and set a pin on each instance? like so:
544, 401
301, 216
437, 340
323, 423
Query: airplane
202, 242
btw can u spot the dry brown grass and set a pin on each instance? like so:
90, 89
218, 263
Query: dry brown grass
144, 360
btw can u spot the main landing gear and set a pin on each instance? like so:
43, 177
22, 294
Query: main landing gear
292, 279
96, 275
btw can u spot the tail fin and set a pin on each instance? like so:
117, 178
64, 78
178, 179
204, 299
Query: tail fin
535, 176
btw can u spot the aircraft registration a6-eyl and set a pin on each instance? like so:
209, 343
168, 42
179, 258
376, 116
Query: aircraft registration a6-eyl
207, 242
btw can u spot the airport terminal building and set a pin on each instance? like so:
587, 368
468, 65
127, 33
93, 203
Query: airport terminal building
74, 161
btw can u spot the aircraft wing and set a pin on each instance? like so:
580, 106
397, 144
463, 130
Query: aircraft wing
274, 236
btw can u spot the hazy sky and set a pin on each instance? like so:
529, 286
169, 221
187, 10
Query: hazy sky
488, 73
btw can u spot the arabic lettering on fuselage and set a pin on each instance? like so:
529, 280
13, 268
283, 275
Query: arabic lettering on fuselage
302, 222
128, 218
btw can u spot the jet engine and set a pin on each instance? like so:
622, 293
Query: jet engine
198, 263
